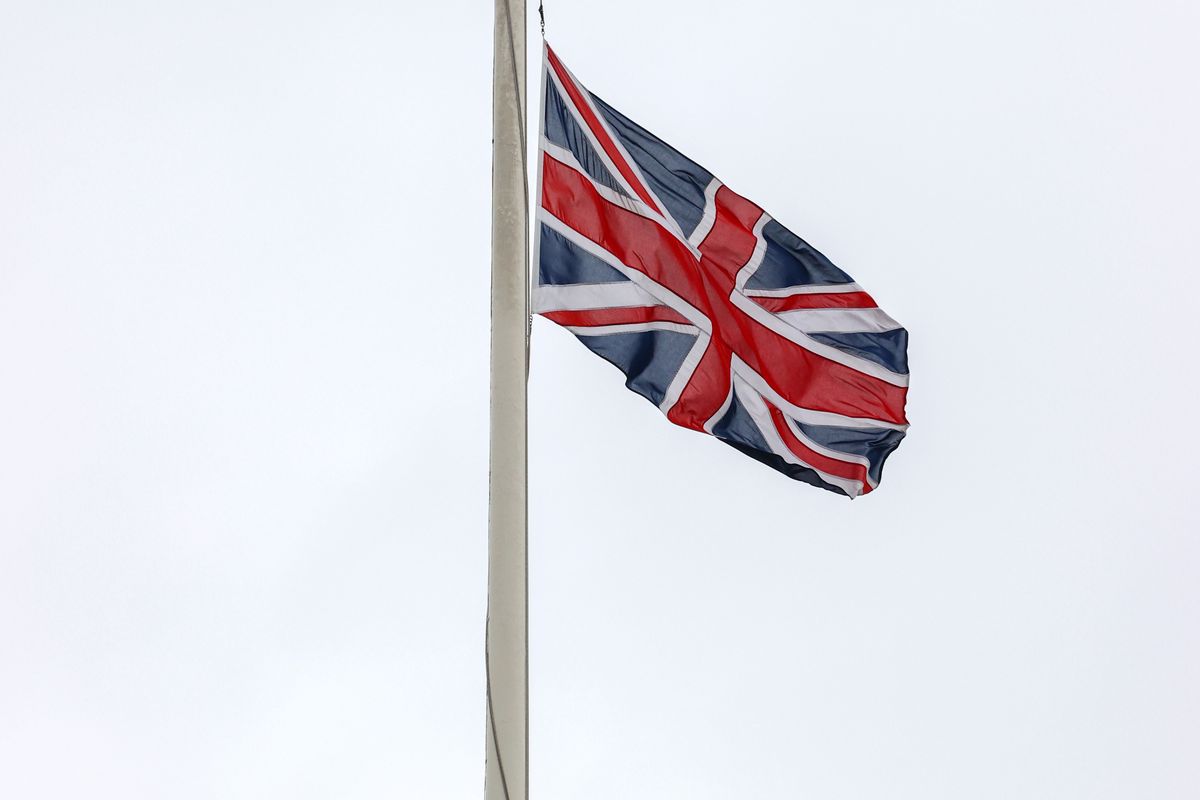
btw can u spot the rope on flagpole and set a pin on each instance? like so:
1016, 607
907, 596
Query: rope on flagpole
487, 667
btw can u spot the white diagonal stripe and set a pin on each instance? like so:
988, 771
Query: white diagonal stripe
684, 374
710, 213
633, 327
658, 213
808, 415
588, 296
754, 404
811, 288
585, 129
760, 250
840, 320
629, 203
664, 295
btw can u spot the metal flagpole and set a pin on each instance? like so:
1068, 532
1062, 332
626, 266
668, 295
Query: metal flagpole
506, 646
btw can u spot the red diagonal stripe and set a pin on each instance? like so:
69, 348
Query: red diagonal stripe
635, 240
707, 389
593, 123
616, 316
830, 466
802, 377
826, 300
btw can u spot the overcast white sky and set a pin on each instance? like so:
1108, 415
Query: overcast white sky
243, 340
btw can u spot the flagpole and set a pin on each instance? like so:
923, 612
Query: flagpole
506, 644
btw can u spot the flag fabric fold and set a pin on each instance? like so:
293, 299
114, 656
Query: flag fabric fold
727, 321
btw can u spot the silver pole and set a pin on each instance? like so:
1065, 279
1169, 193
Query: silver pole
506, 649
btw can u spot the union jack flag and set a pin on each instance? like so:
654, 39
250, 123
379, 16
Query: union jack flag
726, 320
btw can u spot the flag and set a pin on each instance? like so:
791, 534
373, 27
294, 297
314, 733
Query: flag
726, 320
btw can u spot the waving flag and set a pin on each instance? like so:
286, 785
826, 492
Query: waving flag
726, 320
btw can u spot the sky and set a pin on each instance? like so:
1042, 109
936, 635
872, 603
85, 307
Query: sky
243, 432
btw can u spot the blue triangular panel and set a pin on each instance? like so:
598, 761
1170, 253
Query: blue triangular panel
649, 359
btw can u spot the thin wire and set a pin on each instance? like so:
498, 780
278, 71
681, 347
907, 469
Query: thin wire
487, 667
